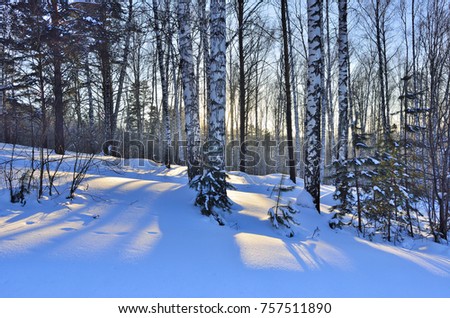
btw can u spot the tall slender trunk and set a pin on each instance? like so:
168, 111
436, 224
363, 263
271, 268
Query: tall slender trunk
204, 21
107, 90
123, 66
242, 87
381, 65
287, 82
58, 105
164, 85
343, 83
87, 71
190, 97
314, 101
177, 107
218, 86
294, 94
331, 155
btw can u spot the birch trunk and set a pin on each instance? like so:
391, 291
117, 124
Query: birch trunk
218, 85
204, 20
329, 95
343, 83
314, 101
190, 97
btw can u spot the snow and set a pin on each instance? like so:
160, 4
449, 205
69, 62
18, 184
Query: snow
133, 231
304, 199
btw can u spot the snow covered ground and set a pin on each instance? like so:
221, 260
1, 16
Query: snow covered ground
134, 232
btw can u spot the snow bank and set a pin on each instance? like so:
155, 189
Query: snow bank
304, 199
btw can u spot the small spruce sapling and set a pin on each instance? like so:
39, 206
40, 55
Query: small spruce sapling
212, 187
282, 215
350, 178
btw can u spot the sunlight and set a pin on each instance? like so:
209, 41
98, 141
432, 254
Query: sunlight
30, 237
21, 232
143, 242
256, 205
316, 254
432, 263
263, 252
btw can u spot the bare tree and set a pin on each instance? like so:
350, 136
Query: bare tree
314, 101
190, 96
343, 83
164, 83
287, 80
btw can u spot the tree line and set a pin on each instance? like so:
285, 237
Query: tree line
351, 93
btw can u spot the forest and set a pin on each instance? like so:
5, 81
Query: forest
349, 93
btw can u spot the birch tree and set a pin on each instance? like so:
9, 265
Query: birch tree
343, 83
343, 192
212, 185
190, 94
314, 101
216, 131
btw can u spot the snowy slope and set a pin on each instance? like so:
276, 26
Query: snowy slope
133, 232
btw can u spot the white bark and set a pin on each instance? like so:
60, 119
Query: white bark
190, 94
314, 100
343, 82
218, 83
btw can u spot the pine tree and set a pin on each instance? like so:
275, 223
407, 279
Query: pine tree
388, 201
352, 177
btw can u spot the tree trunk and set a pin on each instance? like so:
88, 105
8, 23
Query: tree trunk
314, 101
287, 82
107, 91
190, 96
123, 66
218, 85
343, 83
294, 94
58, 105
242, 94
204, 39
381, 78
330, 156
164, 86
